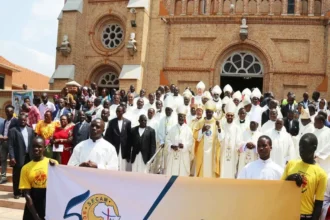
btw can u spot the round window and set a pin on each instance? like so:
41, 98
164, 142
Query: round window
112, 36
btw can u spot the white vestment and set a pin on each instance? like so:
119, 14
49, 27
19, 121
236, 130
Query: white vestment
135, 115
282, 146
165, 124
261, 170
323, 148
218, 112
177, 101
269, 125
178, 162
147, 106
100, 152
245, 126
189, 118
98, 111
230, 138
326, 202
198, 99
137, 98
159, 115
113, 109
248, 155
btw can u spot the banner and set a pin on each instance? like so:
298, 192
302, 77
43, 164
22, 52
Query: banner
76, 193
17, 99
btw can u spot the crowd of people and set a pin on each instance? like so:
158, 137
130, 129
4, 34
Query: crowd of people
244, 135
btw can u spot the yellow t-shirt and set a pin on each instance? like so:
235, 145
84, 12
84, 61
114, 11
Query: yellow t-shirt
314, 186
34, 174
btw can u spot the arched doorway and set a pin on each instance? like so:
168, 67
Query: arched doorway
242, 69
106, 76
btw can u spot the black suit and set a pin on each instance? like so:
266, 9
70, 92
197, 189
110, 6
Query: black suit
20, 152
285, 109
146, 144
117, 138
80, 133
294, 128
264, 117
302, 103
4, 147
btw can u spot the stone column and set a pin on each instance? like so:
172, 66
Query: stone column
208, 7
184, 7
271, 10
311, 7
220, 7
323, 7
172, 7
258, 7
297, 8
196, 7
245, 7
284, 7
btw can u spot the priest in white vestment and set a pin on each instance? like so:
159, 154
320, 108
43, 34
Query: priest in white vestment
248, 146
216, 92
283, 148
177, 99
180, 147
200, 90
150, 103
242, 121
264, 168
160, 111
322, 152
114, 106
270, 124
95, 152
228, 91
136, 113
255, 101
230, 138
141, 96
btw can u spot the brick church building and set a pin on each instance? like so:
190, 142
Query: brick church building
276, 45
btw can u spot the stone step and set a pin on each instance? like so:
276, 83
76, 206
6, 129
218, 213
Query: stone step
7, 201
6, 187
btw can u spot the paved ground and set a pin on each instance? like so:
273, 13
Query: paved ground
10, 214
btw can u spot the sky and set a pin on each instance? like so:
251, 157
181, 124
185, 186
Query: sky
28, 33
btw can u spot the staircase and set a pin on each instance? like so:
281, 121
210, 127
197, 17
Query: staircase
6, 194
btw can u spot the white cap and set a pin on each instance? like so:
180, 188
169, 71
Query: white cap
187, 94
246, 101
255, 116
169, 102
256, 93
207, 94
228, 88
230, 107
246, 91
216, 90
200, 85
237, 95
225, 100
182, 110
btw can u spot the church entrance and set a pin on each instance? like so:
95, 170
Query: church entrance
242, 70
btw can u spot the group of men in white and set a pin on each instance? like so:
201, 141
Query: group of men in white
203, 135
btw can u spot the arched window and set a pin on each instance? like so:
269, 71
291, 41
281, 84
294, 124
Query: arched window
241, 64
109, 80
291, 6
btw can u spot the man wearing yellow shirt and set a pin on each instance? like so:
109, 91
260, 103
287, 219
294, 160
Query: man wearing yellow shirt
33, 182
309, 176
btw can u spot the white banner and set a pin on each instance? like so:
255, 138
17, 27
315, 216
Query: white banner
76, 193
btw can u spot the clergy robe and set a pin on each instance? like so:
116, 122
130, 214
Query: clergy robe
135, 116
100, 152
177, 101
218, 112
248, 155
147, 106
165, 125
178, 162
198, 99
159, 115
323, 148
189, 118
282, 146
207, 154
113, 109
98, 112
269, 125
230, 138
243, 126
261, 170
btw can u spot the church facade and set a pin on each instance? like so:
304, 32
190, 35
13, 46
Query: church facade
276, 45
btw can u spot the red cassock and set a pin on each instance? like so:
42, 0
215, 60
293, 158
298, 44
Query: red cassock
64, 134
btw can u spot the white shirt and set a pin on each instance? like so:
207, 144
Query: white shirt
120, 124
269, 125
43, 108
100, 152
141, 131
261, 170
25, 137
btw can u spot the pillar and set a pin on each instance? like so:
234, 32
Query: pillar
245, 7
208, 7
196, 7
297, 7
258, 7
184, 7
285, 7
311, 7
271, 10
220, 7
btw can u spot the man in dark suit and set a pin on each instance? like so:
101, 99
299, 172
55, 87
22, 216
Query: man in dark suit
61, 109
144, 145
118, 134
20, 140
81, 129
291, 125
9, 123
305, 102
272, 104
290, 106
